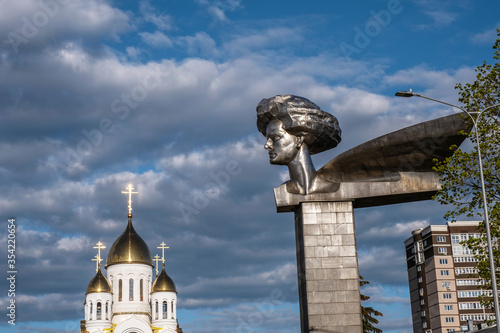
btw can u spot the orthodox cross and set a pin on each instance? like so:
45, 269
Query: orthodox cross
98, 262
129, 192
163, 247
156, 259
98, 259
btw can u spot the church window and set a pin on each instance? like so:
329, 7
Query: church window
99, 314
107, 310
140, 289
120, 287
131, 289
90, 313
165, 310
172, 313
156, 310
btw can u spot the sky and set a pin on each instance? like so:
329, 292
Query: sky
97, 94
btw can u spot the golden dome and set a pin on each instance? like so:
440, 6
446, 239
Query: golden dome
129, 248
99, 284
163, 282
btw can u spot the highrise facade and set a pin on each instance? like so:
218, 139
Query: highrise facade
443, 279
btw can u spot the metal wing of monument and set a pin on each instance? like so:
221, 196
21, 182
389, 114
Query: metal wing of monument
411, 149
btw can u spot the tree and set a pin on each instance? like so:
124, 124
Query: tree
368, 313
460, 173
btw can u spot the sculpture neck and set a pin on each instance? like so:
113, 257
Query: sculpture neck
302, 171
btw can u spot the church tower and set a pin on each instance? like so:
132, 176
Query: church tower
98, 299
126, 301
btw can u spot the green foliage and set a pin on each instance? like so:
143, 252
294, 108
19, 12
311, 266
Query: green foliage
460, 173
368, 313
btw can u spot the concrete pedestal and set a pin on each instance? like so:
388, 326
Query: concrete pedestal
327, 268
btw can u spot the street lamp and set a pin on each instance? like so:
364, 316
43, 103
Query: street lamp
478, 114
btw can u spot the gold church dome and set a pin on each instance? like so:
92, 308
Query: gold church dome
129, 248
163, 283
99, 284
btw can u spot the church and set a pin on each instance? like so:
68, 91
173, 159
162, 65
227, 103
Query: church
128, 300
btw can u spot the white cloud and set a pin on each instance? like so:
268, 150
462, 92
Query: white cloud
161, 21
401, 229
157, 39
485, 38
73, 244
37, 21
199, 44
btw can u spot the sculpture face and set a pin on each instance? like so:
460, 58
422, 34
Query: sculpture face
282, 146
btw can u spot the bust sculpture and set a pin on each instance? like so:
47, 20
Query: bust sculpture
295, 128
399, 162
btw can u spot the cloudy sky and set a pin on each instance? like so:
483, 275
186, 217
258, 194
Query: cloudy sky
97, 94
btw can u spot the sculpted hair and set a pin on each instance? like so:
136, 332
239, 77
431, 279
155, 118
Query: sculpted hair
302, 118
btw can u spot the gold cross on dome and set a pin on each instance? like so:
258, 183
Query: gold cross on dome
129, 192
163, 247
156, 259
98, 256
98, 260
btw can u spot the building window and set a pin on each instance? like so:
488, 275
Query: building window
455, 239
156, 310
447, 296
443, 261
172, 313
448, 307
164, 310
442, 250
420, 257
131, 289
99, 313
120, 290
424, 325
419, 279
419, 268
90, 314
441, 239
141, 286
446, 284
422, 314
422, 301
107, 310
449, 319
421, 291
445, 272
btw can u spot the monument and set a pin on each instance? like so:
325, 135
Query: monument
393, 168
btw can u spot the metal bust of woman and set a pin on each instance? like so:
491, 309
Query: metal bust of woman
295, 128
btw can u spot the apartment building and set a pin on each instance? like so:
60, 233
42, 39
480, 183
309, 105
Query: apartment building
443, 279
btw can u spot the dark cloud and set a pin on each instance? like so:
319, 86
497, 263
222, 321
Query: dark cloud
80, 119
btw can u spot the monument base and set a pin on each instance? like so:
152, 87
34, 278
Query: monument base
327, 268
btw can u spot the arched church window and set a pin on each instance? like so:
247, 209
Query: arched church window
107, 310
172, 312
131, 289
156, 310
120, 287
99, 314
140, 289
90, 313
165, 310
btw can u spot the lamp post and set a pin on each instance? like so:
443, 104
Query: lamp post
475, 121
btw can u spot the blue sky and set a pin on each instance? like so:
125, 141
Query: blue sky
96, 94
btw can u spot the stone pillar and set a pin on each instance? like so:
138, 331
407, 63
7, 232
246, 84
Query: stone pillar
327, 268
